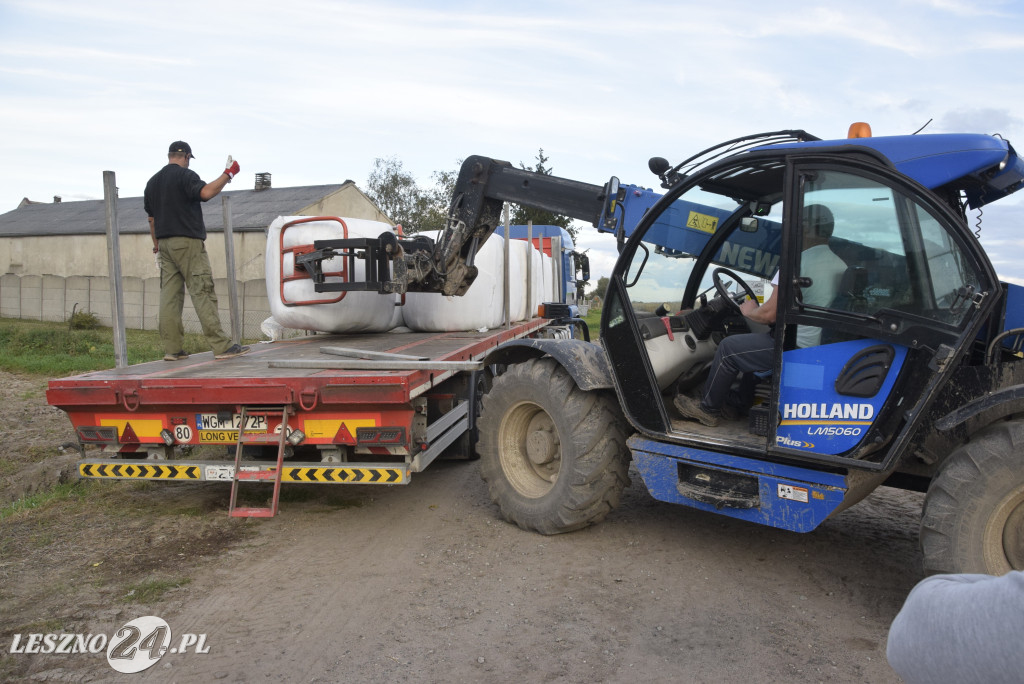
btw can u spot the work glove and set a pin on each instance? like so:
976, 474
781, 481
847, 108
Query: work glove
231, 167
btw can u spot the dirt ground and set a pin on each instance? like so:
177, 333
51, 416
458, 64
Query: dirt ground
425, 583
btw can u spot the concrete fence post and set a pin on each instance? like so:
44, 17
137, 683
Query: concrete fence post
114, 266
229, 256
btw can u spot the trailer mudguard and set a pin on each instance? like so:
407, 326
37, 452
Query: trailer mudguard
585, 361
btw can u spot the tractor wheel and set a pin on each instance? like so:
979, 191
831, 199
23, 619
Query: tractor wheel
554, 457
973, 517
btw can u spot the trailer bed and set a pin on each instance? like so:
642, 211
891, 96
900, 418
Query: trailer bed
370, 408
171, 381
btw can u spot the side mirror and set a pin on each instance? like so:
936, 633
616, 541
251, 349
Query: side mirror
613, 194
583, 265
748, 225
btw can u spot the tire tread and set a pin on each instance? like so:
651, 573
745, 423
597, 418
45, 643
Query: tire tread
956, 503
597, 469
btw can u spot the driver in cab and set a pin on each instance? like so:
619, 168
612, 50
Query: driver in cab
753, 352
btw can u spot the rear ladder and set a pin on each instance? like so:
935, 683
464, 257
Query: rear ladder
257, 474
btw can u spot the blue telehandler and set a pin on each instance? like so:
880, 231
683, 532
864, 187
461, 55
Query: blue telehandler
915, 378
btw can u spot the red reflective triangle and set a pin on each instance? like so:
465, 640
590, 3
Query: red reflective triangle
343, 436
129, 436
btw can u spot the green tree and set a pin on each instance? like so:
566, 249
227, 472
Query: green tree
601, 287
419, 208
394, 190
521, 215
398, 195
436, 200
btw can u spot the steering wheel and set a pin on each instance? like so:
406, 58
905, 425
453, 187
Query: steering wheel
716, 277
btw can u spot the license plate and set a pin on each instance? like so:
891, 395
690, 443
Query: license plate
220, 472
211, 421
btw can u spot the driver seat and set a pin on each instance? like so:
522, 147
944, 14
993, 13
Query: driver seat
850, 297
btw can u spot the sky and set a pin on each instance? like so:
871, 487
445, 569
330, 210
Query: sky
313, 91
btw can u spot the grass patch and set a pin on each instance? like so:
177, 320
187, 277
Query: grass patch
55, 350
52, 349
48, 626
593, 321
132, 498
83, 320
71, 491
31, 394
152, 591
38, 453
193, 511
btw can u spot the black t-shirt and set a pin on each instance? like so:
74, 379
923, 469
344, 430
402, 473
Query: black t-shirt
172, 199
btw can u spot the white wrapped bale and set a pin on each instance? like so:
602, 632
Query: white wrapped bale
294, 303
480, 307
483, 304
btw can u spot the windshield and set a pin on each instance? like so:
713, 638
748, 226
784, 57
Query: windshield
663, 264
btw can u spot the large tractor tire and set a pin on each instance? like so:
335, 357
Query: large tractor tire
973, 517
554, 457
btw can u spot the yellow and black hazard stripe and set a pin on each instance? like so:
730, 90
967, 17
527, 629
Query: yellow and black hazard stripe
224, 471
140, 470
345, 475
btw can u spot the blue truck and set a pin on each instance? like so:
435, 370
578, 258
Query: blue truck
573, 267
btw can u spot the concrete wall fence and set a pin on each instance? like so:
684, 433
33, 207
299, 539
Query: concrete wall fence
53, 298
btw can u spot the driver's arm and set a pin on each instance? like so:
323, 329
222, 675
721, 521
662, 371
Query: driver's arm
764, 314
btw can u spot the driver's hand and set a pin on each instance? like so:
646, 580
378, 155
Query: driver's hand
748, 306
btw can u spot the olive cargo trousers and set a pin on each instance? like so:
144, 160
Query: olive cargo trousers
184, 263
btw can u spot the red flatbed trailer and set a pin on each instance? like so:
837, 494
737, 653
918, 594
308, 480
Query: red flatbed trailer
358, 409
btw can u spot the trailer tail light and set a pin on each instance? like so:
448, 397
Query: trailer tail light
380, 436
92, 434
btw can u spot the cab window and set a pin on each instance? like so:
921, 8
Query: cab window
897, 255
663, 263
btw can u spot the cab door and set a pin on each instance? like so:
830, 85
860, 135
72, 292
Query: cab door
728, 216
858, 368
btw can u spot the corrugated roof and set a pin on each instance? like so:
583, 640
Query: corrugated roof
250, 210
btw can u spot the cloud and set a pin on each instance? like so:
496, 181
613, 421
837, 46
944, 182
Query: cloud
313, 91
977, 120
1013, 279
65, 54
969, 9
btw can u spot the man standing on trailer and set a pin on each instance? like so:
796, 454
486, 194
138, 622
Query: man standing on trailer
172, 202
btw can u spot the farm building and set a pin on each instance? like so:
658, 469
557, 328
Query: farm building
53, 256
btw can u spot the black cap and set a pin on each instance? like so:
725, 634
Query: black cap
180, 147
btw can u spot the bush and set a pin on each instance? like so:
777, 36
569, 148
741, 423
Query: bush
83, 320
